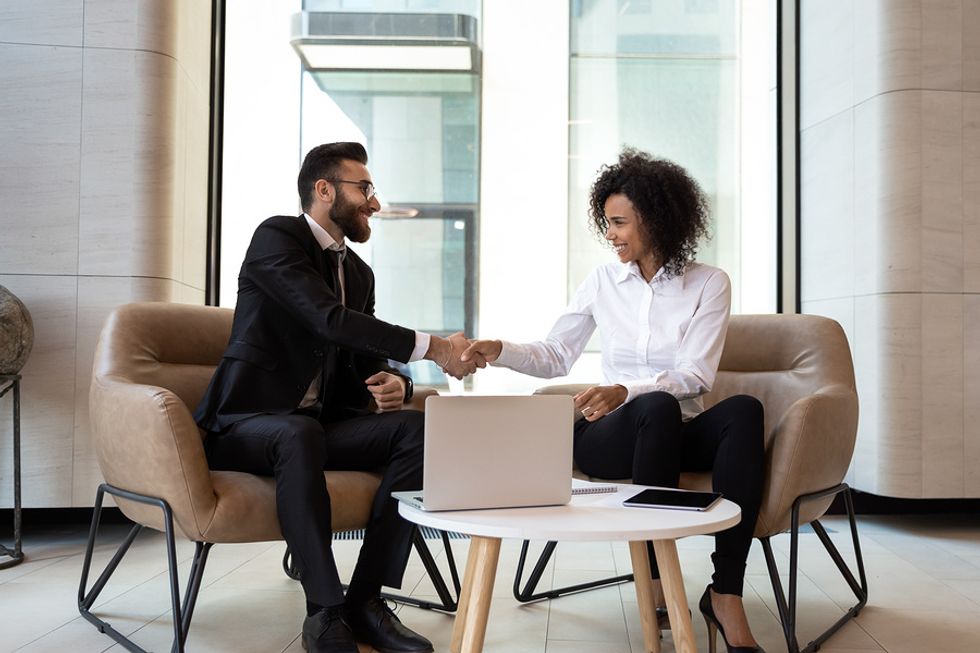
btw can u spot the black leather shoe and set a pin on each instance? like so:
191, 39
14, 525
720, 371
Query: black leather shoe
327, 632
374, 623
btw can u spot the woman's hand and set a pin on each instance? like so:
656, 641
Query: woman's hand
482, 352
600, 400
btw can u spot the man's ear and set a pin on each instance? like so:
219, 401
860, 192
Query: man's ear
324, 191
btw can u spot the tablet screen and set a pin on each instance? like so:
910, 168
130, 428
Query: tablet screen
673, 499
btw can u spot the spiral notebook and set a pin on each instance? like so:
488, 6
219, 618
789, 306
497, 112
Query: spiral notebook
495, 452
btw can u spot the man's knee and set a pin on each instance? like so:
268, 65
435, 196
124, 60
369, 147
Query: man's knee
301, 437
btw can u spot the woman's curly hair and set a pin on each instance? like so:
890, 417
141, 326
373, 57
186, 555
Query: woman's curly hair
673, 209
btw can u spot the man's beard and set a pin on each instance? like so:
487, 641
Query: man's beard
344, 215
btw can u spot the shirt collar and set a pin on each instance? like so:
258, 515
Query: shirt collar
324, 239
660, 282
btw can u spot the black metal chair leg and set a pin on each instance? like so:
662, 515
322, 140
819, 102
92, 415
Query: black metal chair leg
527, 594
181, 616
447, 603
787, 607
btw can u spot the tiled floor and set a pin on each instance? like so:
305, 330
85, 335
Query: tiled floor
924, 573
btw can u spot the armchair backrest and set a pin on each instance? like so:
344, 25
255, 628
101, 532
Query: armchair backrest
800, 368
152, 366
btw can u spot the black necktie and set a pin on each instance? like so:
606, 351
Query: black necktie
334, 259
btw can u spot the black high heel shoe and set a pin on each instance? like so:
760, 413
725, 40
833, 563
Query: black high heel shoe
714, 626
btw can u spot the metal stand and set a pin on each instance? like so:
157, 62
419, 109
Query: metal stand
15, 555
181, 614
787, 610
447, 603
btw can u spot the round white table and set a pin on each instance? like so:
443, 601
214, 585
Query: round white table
596, 517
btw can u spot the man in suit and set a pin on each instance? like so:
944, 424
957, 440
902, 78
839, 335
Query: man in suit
304, 386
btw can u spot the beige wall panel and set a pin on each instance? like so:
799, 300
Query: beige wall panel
942, 395
971, 45
194, 43
97, 297
194, 243
132, 25
864, 349
828, 208
128, 162
971, 192
897, 62
898, 212
971, 395
899, 416
177, 220
942, 192
47, 394
827, 49
942, 44
47, 22
39, 181
867, 178
867, 58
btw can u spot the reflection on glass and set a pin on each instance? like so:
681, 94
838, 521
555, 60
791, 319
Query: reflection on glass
659, 76
421, 132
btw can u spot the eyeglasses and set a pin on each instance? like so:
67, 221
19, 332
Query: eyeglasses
366, 186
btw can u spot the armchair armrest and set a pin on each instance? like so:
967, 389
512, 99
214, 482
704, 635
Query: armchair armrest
148, 443
807, 451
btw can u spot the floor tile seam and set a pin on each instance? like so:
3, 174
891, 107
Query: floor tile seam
291, 642
49, 563
964, 596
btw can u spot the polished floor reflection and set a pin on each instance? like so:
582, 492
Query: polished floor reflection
924, 575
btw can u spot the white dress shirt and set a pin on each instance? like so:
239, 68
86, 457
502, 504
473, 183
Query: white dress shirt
663, 335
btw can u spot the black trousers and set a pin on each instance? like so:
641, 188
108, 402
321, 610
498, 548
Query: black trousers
647, 440
296, 449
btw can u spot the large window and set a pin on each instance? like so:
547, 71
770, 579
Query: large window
484, 198
666, 77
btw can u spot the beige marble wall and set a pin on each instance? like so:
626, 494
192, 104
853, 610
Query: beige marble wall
104, 108
890, 156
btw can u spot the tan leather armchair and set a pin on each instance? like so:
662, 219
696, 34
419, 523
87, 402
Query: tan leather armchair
152, 366
800, 368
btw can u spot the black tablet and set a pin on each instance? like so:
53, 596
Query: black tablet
673, 499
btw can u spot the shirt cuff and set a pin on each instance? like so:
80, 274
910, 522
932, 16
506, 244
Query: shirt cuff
421, 346
510, 355
636, 388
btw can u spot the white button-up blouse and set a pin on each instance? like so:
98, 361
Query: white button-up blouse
663, 335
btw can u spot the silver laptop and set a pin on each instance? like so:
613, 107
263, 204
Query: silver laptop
495, 452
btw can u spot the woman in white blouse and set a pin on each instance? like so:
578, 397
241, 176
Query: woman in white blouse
662, 319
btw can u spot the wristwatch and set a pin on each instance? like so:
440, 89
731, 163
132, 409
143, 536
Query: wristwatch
409, 388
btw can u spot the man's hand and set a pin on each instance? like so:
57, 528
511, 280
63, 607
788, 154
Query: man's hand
445, 353
387, 390
600, 400
482, 352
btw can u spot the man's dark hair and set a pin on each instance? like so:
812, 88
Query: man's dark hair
673, 209
323, 162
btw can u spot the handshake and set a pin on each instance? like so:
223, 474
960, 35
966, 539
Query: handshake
459, 357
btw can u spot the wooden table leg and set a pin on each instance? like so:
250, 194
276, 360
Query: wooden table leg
459, 623
645, 599
470, 627
670, 575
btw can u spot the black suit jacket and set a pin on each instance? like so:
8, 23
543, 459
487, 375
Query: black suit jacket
289, 324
